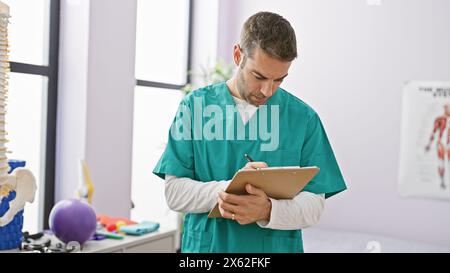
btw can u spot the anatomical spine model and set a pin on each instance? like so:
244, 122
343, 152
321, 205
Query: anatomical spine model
21, 183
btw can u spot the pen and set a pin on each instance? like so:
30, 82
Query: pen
249, 159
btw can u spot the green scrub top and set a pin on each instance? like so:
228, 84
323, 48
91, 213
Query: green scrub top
302, 142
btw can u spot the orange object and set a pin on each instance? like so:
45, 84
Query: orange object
106, 220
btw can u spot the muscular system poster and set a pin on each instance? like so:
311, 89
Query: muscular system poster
425, 140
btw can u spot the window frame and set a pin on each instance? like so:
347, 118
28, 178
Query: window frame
51, 72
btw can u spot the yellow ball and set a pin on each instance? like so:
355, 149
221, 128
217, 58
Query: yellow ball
120, 224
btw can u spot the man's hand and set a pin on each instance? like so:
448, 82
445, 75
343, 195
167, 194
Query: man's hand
255, 165
247, 209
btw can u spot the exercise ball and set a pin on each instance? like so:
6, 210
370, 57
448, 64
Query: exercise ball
73, 220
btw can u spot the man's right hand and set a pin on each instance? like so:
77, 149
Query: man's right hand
255, 165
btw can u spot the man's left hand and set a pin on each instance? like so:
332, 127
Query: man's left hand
250, 208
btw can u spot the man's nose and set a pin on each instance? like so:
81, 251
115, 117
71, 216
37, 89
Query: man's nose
267, 88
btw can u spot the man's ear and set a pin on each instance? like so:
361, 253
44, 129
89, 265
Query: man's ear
237, 56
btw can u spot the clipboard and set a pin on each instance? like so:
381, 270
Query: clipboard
276, 182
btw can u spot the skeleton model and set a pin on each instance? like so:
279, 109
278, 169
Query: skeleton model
442, 143
19, 187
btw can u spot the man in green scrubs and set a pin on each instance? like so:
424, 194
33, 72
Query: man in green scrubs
208, 140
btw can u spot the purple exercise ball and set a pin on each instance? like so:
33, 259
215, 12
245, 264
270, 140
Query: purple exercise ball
73, 220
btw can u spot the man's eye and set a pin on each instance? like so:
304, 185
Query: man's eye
258, 78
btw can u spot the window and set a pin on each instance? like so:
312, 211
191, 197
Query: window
162, 62
154, 109
162, 35
31, 117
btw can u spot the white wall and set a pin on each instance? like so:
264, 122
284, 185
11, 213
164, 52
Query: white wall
95, 100
72, 89
354, 59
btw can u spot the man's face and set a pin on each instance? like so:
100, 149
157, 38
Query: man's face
260, 76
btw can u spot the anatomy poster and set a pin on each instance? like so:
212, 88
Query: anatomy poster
425, 140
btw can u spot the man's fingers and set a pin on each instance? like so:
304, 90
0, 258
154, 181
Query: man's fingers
228, 215
231, 198
255, 165
225, 213
254, 190
227, 206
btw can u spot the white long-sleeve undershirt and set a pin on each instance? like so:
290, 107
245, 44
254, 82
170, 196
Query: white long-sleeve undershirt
187, 195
